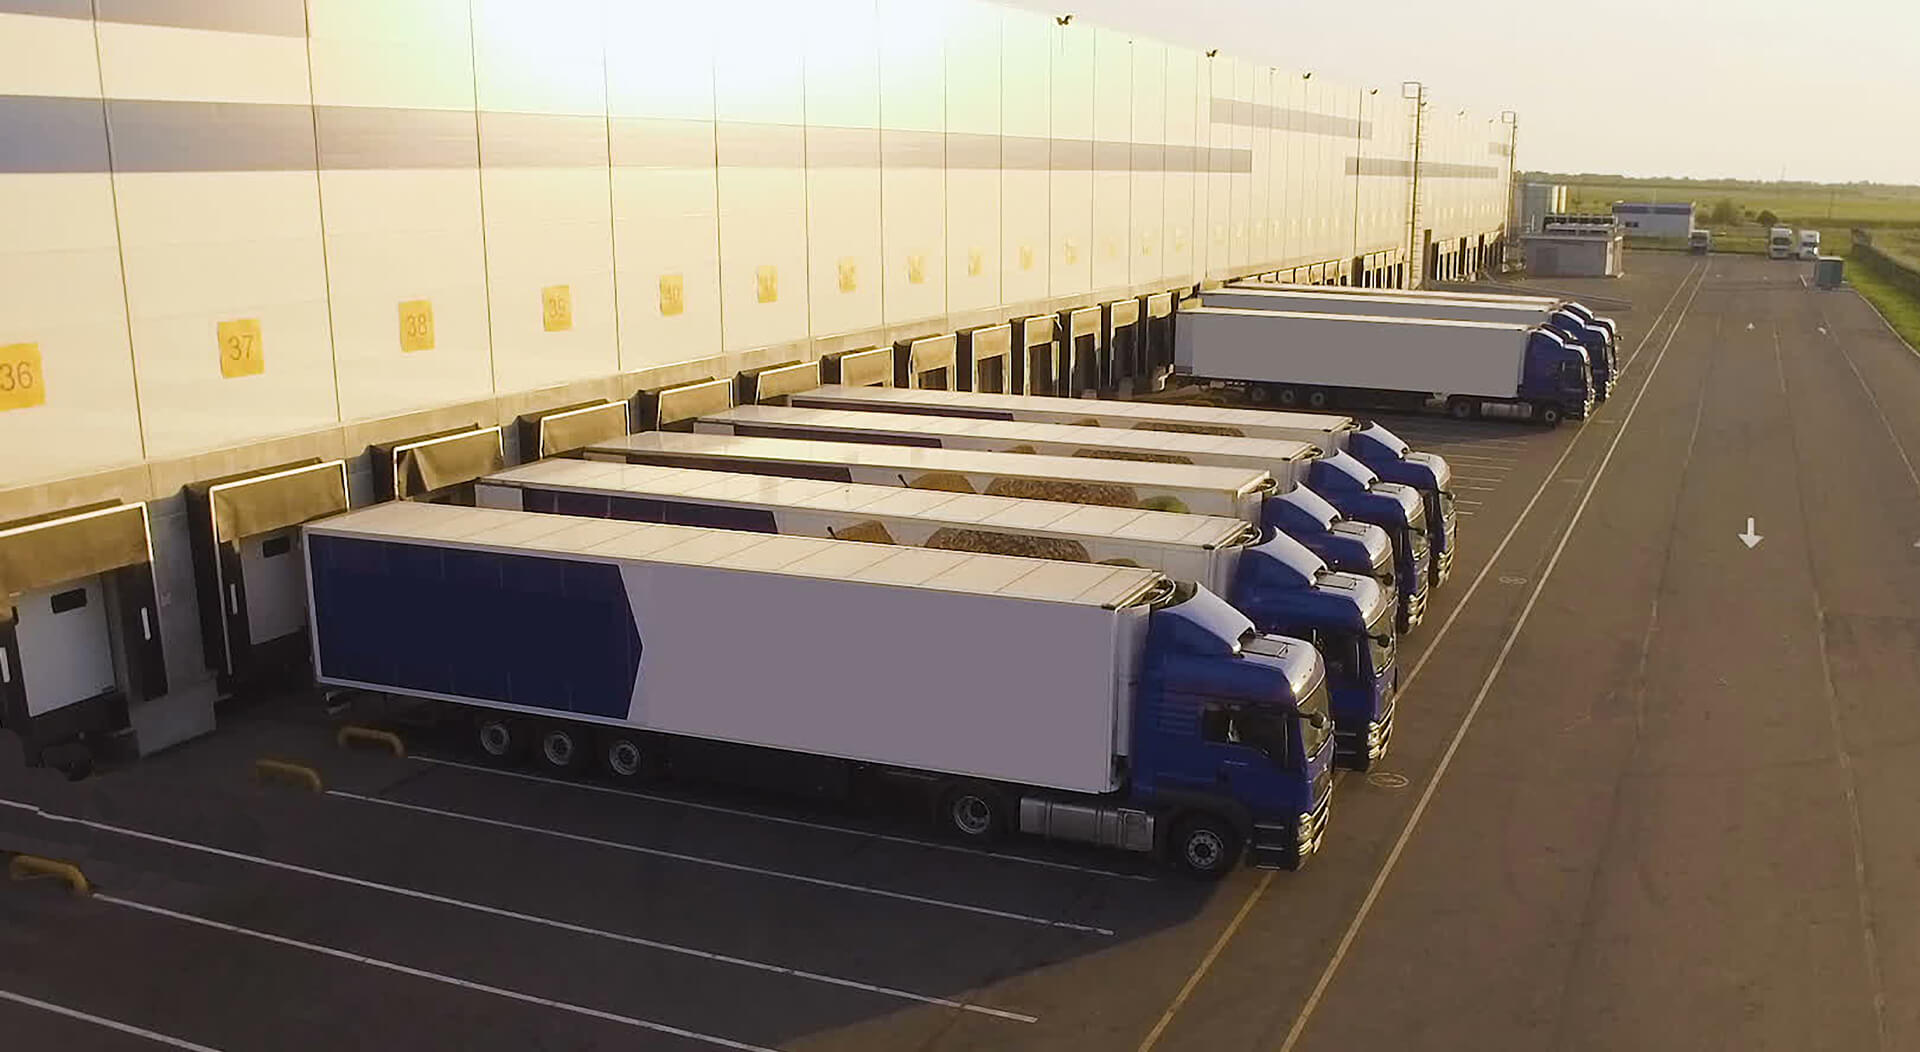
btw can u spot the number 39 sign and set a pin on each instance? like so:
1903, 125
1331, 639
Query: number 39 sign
22, 384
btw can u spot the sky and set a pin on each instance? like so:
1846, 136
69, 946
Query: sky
1822, 90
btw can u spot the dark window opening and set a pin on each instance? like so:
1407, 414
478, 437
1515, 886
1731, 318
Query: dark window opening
73, 599
274, 547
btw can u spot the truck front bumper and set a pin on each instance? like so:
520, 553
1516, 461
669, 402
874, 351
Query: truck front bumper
1286, 845
1443, 561
1413, 609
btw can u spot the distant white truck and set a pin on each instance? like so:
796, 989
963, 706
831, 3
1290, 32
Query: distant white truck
1780, 243
1809, 244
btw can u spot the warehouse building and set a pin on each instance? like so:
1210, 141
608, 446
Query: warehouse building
1651, 220
259, 260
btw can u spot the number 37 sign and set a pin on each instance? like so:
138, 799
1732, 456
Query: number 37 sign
240, 351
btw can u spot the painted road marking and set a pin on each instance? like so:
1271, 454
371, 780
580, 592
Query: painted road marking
528, 918
735, 867
102, 1021
1413, 674
1206, 963
438, 977
825, 827
1486, 687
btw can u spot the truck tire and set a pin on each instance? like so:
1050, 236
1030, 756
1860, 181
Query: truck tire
1548, 415
1318, 399
973, 813
562, 747
1204, 846
1288, 397
500, 740
1259, 394
1460, 408
627, 757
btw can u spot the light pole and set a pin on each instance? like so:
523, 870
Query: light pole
1417, 92
1512, 121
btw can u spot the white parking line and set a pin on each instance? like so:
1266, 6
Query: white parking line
1475, 489
437, 977
826, 827
528, 918
110, 1024
1486, 686
1482, 459
735, 867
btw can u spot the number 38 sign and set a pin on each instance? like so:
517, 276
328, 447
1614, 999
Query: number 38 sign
22, 384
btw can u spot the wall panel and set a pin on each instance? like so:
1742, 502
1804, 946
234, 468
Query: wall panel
1112, 159
1026, 113
973, 150
844, 193
913, 157
1146, 240
1181, 158
60, 286
1071, 185
398, 151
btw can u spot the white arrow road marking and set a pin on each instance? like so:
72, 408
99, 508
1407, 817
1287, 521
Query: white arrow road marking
1749, 326
1823, 330
1750, 538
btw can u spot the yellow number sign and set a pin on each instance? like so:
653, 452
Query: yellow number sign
766, 284
1026, 257
1072, 251
416, 325
673, 295
916, 269
849, 269
556, 308
22, 384
241, 353
975, 263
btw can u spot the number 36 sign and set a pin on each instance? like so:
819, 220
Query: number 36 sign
22, 384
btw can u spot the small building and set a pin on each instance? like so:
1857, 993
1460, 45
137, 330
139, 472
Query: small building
1534, 202
1651, 220
1596, 253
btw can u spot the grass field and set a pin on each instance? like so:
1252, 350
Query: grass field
1901, 310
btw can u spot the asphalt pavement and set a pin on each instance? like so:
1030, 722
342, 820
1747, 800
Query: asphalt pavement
1651, 788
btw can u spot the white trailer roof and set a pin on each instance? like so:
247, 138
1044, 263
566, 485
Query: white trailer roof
921, 458
1277, 450
1351, 290
936, 506
1520, 310
1363, 319
1069, 409
529, 533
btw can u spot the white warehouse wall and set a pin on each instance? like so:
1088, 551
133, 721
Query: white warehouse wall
587, 196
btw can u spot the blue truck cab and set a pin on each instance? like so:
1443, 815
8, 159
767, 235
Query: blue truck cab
1231, 724
1393, 460
1348, 546
1353, 488
1598, 347
1605, 325
1555, 378
1286, 590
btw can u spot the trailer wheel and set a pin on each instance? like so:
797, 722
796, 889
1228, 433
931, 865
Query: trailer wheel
1317, 399
1259, 394
501, 740
1205, 846
562, 747
974, 813
625, 756
1289, 397
1461, 408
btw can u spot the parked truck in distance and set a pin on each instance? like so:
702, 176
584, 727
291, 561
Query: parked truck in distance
1598, 344
1780, 243
1372, 444
1103, 704
1809, 245
1575, 306
1469, 369
1700, 242
1250, 495
1273, 579
1341, 480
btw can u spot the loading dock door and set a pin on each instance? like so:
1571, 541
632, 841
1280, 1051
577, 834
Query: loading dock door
65, 643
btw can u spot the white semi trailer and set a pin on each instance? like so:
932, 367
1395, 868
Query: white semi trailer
1097, 703
1467, 368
